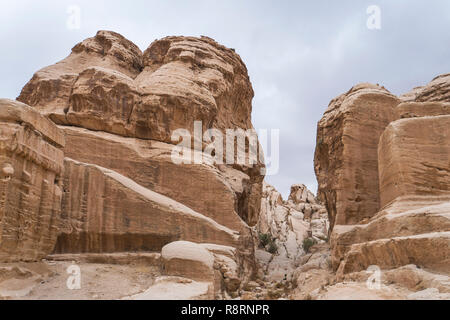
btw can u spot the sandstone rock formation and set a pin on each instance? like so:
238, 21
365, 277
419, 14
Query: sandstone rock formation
437, 90
346, 158
401, 176
219, 266
88, 174
104, 211
31, 162
111, 183
107, 84
287, 224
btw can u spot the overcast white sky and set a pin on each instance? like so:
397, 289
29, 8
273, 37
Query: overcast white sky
299, 54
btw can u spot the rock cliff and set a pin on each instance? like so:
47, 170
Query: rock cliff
89, 164
92, 173
383, 168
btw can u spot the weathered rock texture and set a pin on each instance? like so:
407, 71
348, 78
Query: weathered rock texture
149, 163
107, 84
104, 211
219, 266
31, 164
437, 90
104, 179
404, 217
346, 158
414, 158
288, 224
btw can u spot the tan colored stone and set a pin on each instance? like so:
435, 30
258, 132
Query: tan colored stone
104, 86
422, 109
188, 260
50, 88
104, 211
429, 250
203, 187
31, 164
405, 217
346, 157
414, 158
301, 194
437, 90
412, 224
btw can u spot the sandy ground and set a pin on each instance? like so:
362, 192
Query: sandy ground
48, 281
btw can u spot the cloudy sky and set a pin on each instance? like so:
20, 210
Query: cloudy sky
299, 54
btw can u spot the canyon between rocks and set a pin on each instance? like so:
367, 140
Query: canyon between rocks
89, 188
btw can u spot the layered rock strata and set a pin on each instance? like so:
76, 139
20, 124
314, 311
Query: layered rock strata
117, 185
409, 222
31, 164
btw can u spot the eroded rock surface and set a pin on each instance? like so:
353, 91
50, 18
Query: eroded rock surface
283, 228
346, 157
412, 171
31, 166
101, 188
120, 188
107, 84
104, 211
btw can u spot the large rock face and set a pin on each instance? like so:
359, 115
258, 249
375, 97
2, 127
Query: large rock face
287, 224
412, 224
414, 158
31, 164
122, 188
149, 163
346, 158
104, 211
106, 84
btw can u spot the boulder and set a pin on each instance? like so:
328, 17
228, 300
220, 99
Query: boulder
107, 84
221, 266
50, 89
405, 217
189, 260
429, 250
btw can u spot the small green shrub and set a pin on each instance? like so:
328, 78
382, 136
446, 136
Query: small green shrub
264, 239
308, 243
273, 248
268, 243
